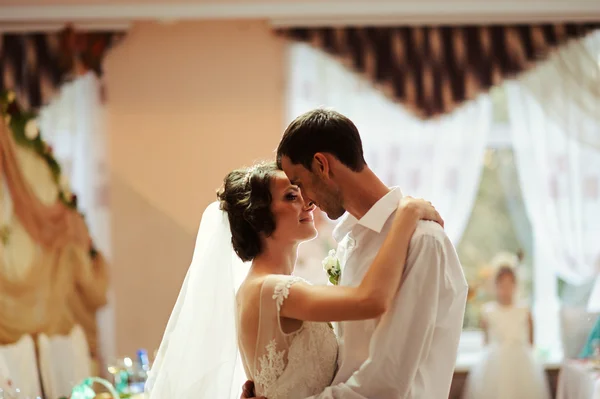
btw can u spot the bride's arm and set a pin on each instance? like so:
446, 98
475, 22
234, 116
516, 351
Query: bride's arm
375, 293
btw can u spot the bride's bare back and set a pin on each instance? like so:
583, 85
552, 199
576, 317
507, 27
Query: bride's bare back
285, 358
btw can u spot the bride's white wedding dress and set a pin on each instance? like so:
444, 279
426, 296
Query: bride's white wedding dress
199, 356
288, 365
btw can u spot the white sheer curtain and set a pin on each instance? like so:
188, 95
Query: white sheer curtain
560, 179
555, 136
439, 160
567, 87
73, 124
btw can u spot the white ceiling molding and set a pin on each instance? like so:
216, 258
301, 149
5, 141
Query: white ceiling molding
20, 27
422, 19
450, 13
290, 13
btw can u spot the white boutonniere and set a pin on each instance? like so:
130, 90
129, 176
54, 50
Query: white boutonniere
331, 265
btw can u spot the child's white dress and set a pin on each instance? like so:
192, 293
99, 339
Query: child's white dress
508, 369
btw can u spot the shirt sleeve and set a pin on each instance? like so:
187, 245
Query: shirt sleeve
395, 351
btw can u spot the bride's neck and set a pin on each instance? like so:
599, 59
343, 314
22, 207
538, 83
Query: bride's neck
276, 258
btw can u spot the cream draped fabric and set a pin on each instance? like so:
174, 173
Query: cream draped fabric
48, 281
73, 124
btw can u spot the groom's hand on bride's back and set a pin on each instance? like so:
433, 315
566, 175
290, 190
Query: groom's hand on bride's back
248, 391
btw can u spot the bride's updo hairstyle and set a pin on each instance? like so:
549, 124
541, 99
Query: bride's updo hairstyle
246, 198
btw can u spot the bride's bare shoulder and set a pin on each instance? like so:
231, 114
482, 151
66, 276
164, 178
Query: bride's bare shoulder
251, 284
249, 298
251, 288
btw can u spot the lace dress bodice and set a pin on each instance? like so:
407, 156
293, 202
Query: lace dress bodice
289, 365
507, 325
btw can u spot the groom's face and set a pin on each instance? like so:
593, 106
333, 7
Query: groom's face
323, 194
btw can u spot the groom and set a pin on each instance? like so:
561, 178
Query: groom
410, 351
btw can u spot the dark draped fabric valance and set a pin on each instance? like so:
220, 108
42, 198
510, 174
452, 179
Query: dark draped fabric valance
34, 65
433, 69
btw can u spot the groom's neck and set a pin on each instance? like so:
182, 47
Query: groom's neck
361, 190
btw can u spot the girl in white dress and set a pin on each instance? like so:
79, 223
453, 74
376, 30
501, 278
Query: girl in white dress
508, 369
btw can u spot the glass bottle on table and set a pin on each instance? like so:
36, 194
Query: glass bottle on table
120, 377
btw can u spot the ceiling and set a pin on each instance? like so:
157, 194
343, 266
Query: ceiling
20, 14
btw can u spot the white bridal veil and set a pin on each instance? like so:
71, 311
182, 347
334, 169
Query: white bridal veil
198, 357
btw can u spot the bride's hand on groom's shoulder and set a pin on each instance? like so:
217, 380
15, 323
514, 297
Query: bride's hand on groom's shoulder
424, 209
248, 391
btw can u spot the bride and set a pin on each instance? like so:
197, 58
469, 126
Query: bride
274, 330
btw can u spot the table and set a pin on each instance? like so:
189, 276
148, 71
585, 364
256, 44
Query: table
578, 379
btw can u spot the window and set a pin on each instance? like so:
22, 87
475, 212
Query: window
498, 223
397, 144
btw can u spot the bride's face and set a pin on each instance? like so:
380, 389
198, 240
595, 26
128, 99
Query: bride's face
293, 217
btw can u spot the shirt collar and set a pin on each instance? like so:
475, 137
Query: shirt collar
375, 217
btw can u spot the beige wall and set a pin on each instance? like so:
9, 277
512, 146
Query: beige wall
186, 103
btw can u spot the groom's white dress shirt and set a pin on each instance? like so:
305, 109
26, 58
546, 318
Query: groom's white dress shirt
409, 352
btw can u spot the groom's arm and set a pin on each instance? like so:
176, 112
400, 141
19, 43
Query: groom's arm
404, 335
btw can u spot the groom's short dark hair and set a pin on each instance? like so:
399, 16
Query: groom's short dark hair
322, 130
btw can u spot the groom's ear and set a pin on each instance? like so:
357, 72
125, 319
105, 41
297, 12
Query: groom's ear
321, 165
